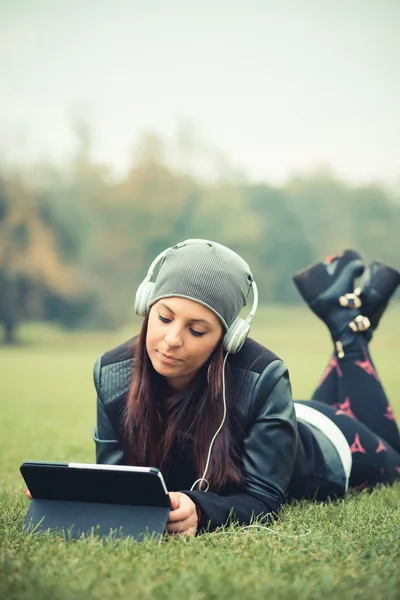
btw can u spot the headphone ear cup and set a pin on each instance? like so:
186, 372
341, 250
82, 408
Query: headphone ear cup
236, 335
143, 298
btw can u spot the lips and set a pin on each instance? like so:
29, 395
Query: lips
168, 358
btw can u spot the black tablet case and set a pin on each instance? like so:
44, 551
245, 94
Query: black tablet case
83, 501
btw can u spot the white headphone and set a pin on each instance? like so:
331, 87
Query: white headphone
238, 331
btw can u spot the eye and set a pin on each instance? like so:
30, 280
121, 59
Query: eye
164, 319
196, 333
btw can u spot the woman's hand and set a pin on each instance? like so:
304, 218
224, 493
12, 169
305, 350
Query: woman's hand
183, 517
28, 494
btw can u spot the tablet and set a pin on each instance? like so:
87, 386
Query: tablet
79, 498
82, 482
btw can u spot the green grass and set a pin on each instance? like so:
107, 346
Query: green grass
47, 405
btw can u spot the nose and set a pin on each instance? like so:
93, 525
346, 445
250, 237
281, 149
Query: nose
173, 337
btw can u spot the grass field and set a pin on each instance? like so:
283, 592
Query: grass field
47, 405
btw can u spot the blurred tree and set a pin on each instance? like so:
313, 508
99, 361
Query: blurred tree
323, 205
30, 264
282, 247
75, 242
336, 216
221, 213
376, 223
133, 220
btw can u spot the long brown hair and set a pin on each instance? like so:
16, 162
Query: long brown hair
191, 417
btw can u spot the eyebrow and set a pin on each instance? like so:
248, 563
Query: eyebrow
191, 320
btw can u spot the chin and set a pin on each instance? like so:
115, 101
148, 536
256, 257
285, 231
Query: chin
163, 370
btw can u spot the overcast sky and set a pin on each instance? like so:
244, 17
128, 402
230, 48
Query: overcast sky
277, 86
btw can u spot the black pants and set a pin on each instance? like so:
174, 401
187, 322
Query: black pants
352, 396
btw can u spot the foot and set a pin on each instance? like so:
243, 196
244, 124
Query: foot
377, 285
328, 289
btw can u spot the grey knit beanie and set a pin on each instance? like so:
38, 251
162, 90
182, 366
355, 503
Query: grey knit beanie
208, 273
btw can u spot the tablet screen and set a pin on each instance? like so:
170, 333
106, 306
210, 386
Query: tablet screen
80, 482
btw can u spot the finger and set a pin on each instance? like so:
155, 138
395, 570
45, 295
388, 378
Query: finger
28, 494
187, 532
174, 498
190, 531
180, 514
180, 526
174, 503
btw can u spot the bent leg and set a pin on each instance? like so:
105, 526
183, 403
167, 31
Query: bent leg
351, 385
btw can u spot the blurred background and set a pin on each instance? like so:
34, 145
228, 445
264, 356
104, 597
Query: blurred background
129, 125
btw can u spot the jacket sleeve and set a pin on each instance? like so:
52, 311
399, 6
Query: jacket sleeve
108, 449
269, 451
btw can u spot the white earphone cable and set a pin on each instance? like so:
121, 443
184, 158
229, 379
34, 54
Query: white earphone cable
202, 478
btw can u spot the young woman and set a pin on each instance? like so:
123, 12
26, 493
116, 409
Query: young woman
212, 408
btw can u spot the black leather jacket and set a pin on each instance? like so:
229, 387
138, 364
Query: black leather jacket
265, 432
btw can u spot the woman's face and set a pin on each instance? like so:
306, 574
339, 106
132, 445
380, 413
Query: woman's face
181, 336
